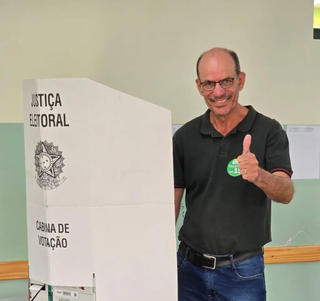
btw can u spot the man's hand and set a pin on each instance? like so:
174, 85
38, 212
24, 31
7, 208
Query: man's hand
248, 163
277, 186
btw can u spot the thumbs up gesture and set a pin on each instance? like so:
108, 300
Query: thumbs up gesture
248, 163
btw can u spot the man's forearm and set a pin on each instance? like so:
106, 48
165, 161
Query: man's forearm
178, 193
277, 188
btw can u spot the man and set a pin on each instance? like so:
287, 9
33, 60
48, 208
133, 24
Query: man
231, 161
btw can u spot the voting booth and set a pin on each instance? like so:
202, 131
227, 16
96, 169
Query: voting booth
100, 199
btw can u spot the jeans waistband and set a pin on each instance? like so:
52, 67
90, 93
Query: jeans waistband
211, 262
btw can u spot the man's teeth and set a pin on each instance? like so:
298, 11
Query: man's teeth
220, 101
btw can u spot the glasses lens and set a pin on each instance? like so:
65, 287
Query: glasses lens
226, 83
208, 85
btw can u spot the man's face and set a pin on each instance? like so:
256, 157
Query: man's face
214, 68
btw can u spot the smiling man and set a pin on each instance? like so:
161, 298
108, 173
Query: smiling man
231, 162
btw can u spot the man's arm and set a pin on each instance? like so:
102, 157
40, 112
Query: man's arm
277, 186
178, 193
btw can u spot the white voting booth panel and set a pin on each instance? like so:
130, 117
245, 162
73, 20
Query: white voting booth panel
99, 184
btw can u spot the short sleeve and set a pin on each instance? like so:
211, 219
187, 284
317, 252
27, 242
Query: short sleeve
178, 161
277, 151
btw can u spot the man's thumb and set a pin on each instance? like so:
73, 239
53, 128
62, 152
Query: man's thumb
246, 144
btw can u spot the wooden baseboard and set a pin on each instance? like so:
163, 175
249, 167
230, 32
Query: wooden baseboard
12, 270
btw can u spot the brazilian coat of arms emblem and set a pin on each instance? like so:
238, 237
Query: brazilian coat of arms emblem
49, 164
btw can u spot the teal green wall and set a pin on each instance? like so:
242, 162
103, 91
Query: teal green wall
13, 288
293, 281
13, 229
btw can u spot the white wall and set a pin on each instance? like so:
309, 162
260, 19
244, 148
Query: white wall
149, 49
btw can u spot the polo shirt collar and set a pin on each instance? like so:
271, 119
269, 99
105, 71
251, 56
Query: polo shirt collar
245, 125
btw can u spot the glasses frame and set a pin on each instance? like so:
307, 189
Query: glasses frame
218, 82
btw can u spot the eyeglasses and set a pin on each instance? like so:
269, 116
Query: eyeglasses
225, 83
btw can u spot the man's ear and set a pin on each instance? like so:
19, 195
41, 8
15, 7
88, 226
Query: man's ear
242, 80
199, 86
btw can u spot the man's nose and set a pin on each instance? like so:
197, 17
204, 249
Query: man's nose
218, 91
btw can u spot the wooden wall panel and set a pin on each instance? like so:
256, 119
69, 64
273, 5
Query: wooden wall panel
291, 254
12, 270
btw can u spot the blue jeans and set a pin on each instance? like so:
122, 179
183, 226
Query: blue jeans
242, 281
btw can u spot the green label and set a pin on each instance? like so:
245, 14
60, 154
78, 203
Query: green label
233, 169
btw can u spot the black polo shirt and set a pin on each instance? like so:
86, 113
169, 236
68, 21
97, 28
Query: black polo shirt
225, 213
